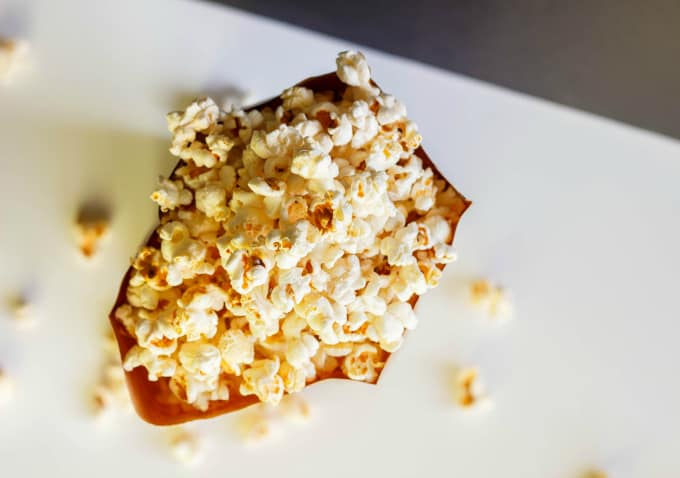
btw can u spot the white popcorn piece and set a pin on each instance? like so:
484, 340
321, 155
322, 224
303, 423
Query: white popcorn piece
261, 379
157, 366
186, 447
211, 200
469, 390
391, 109
171, 194
491, 298
362, 363
290, 242
13, 55
236, 349
110, 394
354, 71
7, 387
312, 163
298, 98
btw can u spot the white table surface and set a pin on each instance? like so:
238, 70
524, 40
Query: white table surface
579, 216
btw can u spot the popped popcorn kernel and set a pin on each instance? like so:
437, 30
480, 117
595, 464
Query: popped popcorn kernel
22, 311
110, 394
469, 390
490, 298
186, 447
254, 425
92, 226
293, 240
7, 387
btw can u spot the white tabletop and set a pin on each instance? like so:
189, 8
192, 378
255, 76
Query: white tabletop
579, 216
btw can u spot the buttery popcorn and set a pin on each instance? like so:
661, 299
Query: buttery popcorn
91, 226
469, 390
291, 240
490, 298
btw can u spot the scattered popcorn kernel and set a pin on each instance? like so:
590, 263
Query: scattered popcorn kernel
294, 408
6, 388
186, 447
22, 311
13, 54
292, 240
255, 425
469, 391
92, 225
490, 298
110, 394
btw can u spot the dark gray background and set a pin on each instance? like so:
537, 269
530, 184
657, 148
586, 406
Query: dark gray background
619, 59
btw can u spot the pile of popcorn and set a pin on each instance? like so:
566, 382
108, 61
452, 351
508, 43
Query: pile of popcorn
291, 241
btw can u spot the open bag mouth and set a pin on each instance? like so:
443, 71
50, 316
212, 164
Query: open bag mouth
153, 400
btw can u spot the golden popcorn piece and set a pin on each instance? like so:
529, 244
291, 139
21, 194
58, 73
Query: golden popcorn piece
22, 311
269, 228
490, 298
91, 226
469, 391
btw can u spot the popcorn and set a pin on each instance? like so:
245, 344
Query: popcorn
201, 364
156, 365
388, 328
211, 200
184, 255
186, 447
313, 163
391, 109
261, 379
490, 298
92, 225
171, 194
362, 363
291, 240
22, 311
353, 70
236, 349
6, 388
469, 391
111, 394
12, 58
297, 97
